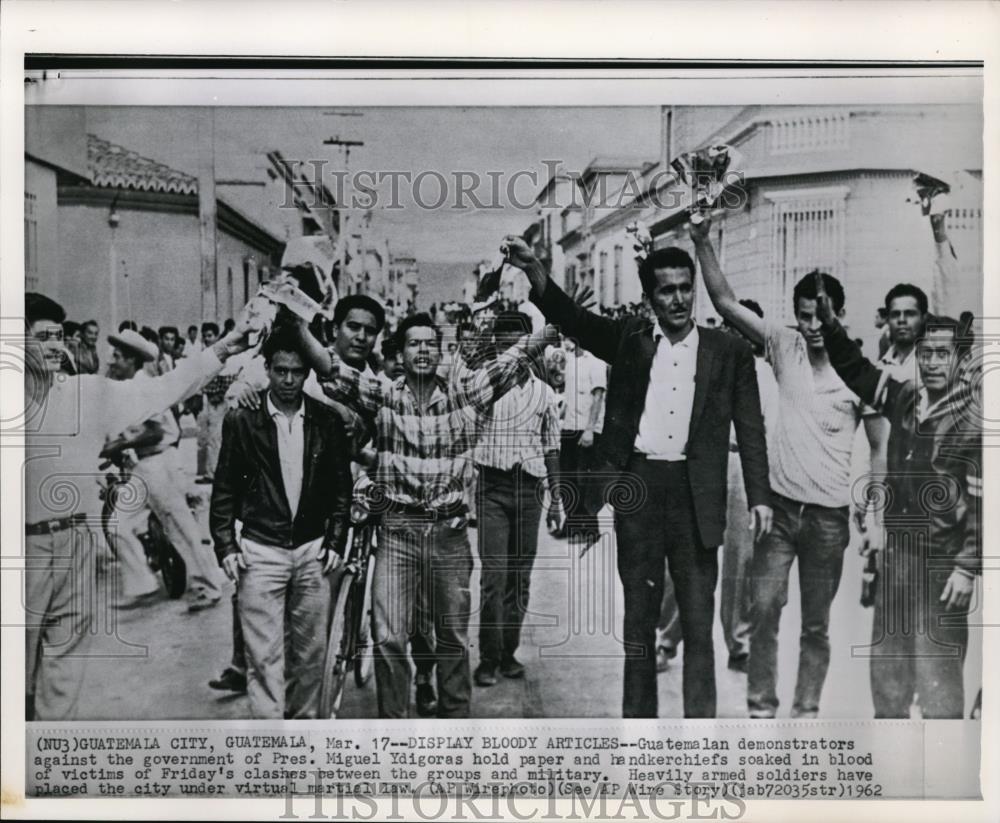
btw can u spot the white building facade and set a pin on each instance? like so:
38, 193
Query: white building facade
822, 187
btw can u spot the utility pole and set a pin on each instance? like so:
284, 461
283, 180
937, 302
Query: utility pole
343, 207
206, 213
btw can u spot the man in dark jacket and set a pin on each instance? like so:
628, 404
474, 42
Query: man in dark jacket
932, 552
284, 472
674, 392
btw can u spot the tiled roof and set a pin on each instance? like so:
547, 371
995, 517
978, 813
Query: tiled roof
114, 166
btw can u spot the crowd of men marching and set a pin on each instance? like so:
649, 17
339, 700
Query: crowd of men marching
739, 437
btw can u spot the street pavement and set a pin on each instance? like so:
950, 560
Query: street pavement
154, 663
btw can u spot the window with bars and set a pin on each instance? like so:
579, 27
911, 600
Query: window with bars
30, 242
807, 233
964, 226
617, 290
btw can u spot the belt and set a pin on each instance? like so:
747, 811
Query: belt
426, 514
645, 457
52, 526
517, 468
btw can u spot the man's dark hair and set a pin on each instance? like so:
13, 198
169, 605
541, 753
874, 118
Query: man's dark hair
961, 329
212, 327
669, 258
191, 328
359, 301
283, 339
87, 324
150, 335
128, 324
389, 348
805, 289
168, 330
39, 307
70, 328
753, 305
229, 325
132, 354
510, 324
906, 290
412, 321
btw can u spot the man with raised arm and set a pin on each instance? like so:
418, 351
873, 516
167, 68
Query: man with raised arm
68, 422
810, 462
933, 552
425, 433
675, 390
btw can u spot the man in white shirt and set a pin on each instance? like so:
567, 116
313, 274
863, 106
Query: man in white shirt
517, 446
583, 407
675, 389
67, 422
161, 479
810, 473
213, 409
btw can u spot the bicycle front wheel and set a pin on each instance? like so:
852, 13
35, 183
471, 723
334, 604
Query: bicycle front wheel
339, 648
364, 658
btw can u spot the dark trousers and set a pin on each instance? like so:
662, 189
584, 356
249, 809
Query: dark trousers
575, 462
239, 662
668, 627
737, 556
510, 509
817, 537
917, 646
664, 527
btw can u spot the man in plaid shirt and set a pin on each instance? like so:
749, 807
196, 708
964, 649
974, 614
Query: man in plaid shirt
425, 434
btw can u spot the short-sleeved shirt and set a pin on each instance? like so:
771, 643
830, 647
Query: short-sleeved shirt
810, 449
520, 429
584, 374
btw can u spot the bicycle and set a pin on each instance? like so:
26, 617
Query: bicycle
160, 553
349, 644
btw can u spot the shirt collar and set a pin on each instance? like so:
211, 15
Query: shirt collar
273, 410
927, 410
891, 356
691, 340
438, 395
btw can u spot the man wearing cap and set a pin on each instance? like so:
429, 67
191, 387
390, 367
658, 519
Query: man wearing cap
160, 478
67, 421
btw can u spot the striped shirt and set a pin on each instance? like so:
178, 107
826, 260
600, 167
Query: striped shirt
520, 429
810, 455
423, 454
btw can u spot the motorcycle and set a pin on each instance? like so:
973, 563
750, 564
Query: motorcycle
160, 553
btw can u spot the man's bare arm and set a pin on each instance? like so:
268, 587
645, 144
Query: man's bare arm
721, 293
